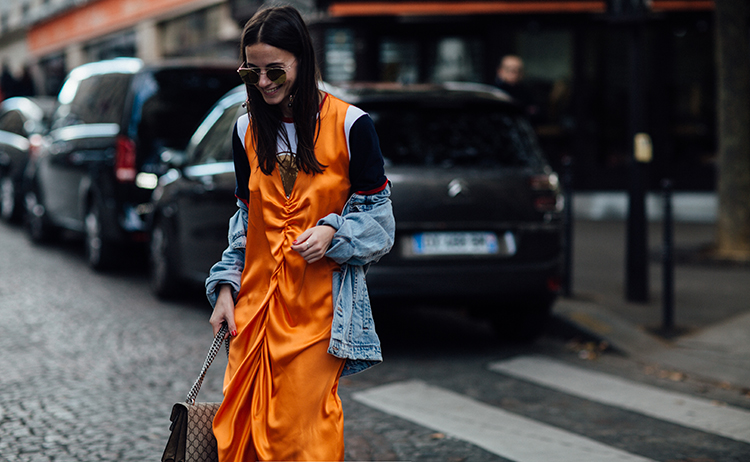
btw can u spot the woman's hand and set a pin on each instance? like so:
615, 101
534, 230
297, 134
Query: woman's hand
314, 242
224, 311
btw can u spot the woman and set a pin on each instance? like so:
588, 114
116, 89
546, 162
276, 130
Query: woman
314, 209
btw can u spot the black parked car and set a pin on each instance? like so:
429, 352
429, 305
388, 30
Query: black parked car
193, 202
23, 121
478, 208
103, 155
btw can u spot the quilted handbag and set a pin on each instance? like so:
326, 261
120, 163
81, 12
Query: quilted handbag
192, 438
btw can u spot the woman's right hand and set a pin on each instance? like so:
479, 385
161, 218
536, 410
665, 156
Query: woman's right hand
224, 311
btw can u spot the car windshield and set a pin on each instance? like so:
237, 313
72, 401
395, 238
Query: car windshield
462, 135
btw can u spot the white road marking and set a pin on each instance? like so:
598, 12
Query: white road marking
500, 432
685, 410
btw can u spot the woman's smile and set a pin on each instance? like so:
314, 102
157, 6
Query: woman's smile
265, 57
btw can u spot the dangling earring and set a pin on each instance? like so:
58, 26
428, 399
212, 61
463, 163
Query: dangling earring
291, 100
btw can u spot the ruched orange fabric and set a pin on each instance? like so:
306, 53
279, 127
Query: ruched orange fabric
281, 386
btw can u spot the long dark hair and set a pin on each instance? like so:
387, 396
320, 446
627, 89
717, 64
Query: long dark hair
283, 28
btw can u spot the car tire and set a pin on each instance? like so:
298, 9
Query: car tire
38, 225
523, 320
100, 253
164, 260
9, 210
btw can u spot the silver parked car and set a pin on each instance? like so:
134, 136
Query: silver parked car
477, 206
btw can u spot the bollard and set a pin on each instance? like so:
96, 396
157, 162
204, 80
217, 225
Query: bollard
667, 260
567, 183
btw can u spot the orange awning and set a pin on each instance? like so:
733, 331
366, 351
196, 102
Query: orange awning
442, 8
96, 19
682, 5
433, 8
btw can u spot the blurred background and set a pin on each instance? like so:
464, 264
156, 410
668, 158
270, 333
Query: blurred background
622, 95
576, 56
595, 72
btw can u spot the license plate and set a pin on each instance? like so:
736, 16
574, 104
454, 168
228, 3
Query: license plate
461, 243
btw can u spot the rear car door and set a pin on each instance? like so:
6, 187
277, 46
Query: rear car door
205, 200
82, 140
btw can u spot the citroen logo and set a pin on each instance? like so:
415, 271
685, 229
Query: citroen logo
458, 187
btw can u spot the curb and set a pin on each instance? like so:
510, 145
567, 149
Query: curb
708, 364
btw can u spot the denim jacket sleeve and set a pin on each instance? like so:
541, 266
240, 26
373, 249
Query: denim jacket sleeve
365, 229
364, 233
228, 270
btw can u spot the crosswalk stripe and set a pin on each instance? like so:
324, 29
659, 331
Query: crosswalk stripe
500, 432
682, 409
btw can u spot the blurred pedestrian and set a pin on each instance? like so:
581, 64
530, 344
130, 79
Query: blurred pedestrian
8, 83
509, 78
311, 228
25, 85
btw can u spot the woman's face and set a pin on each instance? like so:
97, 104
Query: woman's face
266, 57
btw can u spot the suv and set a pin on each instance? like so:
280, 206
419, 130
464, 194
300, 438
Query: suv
478, 208
102, 158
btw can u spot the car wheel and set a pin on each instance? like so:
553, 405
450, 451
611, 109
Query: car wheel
37, 224
164, 260
8, 209
100, 253
523, 320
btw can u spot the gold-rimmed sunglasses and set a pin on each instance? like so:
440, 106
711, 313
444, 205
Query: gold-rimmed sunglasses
251, 75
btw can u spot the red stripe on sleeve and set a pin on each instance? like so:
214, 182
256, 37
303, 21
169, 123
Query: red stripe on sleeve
374, 191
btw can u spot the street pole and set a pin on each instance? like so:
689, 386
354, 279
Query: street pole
567, 181
667, 325
636, 271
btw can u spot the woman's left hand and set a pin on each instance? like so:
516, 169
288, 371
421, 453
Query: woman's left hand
314, 242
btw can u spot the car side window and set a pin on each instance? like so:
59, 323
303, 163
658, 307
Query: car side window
12, 122
216, 145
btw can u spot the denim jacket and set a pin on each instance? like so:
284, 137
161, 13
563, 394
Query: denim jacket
364, 233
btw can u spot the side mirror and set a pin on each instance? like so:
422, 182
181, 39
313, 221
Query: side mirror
173, 157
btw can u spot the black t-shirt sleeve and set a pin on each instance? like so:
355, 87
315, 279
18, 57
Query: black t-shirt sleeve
366, 171
241, 165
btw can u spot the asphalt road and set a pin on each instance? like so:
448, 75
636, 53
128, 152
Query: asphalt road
92, 364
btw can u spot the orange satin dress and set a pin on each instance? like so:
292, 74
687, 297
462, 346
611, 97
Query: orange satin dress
281, 398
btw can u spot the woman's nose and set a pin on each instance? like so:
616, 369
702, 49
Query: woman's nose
263, 80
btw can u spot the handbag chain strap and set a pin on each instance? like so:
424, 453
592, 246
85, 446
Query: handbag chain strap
212, 352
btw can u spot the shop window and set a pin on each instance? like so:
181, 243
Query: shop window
548, 69
207, 32
693, 113
457, 59
340, 60
399, 60
120, 45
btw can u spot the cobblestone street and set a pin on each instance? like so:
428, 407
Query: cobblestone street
91, 363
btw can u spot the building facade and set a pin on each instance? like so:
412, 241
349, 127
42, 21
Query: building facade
54, 36
578, 59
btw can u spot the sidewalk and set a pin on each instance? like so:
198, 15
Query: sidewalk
712, 300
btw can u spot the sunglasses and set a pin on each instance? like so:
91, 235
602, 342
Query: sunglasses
251, 75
